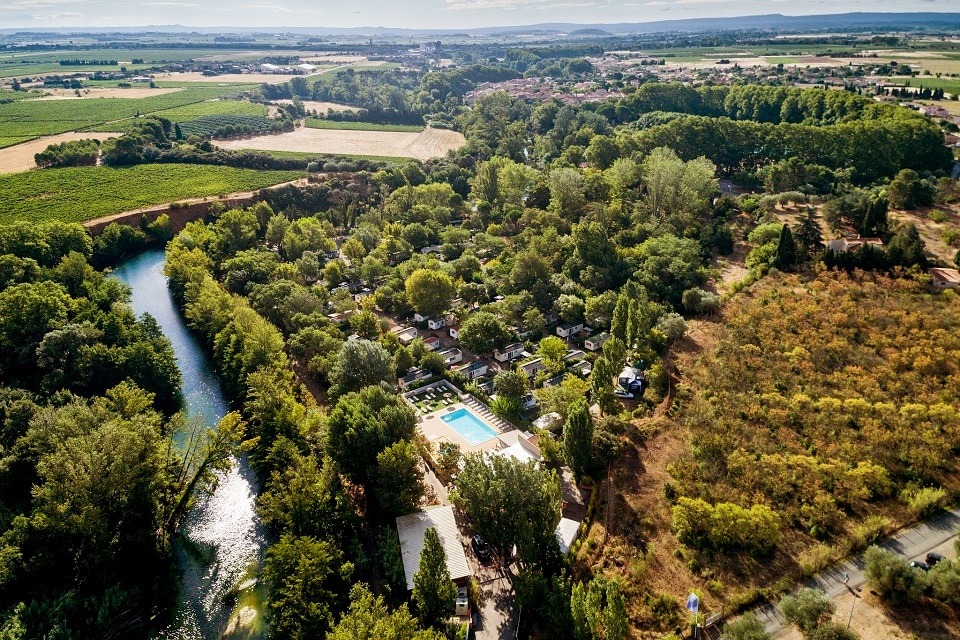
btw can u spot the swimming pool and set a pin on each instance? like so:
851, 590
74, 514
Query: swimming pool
473, 429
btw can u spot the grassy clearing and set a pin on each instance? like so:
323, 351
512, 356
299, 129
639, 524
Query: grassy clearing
320, 123
78, 194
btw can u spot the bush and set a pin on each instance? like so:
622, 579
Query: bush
833, 631
892, 577
748, 627
924, 502
701, 302
725, 525
807, 609
944, 581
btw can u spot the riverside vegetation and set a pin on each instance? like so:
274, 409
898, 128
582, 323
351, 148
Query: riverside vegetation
839, 384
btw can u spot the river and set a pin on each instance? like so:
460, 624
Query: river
221, 541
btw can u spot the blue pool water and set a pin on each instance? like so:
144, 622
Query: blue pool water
473, 429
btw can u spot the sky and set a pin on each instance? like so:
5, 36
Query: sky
440, 14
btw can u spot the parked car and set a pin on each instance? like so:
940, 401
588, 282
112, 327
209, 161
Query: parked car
482, 549
933, 558
917, 564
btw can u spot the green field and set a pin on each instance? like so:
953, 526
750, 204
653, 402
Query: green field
31, 63
950, 85
28, 119
320, 123
78, 194
310, 156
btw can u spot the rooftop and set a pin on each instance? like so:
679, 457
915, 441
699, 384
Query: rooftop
411, 529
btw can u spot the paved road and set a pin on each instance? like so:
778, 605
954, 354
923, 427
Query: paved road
913, 543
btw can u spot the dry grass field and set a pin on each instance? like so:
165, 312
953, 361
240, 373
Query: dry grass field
20, 157
430, 143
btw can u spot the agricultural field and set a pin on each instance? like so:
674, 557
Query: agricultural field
430, 143
28, 119
34, 62
85, 193
321, 123
949, 85
20, 157
226, 125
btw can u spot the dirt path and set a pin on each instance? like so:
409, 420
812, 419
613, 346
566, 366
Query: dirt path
20, 157
430, 143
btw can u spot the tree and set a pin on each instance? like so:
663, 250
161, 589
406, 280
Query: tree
807, 609
616, 621
399, 478
909, 191
747, 627
578, 439
891, 576
483, 332
306, 579
510, 384
786, 256
369, 618
552, 348
434, 594
363, 424
559, 398
807, 234
513, 503
430, 291
360, 363
674, 187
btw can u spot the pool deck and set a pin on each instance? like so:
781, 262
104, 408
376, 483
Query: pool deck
436, 430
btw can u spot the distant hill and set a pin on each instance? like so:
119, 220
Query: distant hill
771, 22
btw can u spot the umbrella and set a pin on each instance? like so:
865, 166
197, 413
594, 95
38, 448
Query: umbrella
693, 603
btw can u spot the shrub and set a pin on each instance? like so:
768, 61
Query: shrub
924, 502
699, 301
815, 558
892, 577
725, 525
868, 531
748, 627
807, 609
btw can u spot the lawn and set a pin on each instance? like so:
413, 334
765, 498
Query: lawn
321, 123
78, 194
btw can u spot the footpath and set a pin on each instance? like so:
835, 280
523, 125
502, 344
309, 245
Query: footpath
913, 543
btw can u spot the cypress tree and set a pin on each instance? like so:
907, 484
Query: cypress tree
578, 438
786, 256
434, 594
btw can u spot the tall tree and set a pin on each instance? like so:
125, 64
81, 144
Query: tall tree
807, 234
430, 291
785, 258
483, 332
399, 478
578, 439
434, 594
360, 363
369, 618
513, 503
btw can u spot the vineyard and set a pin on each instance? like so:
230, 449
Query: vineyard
28, 119
77, 194
321, 123
225, 126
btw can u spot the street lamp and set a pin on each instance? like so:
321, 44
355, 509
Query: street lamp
855, 597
